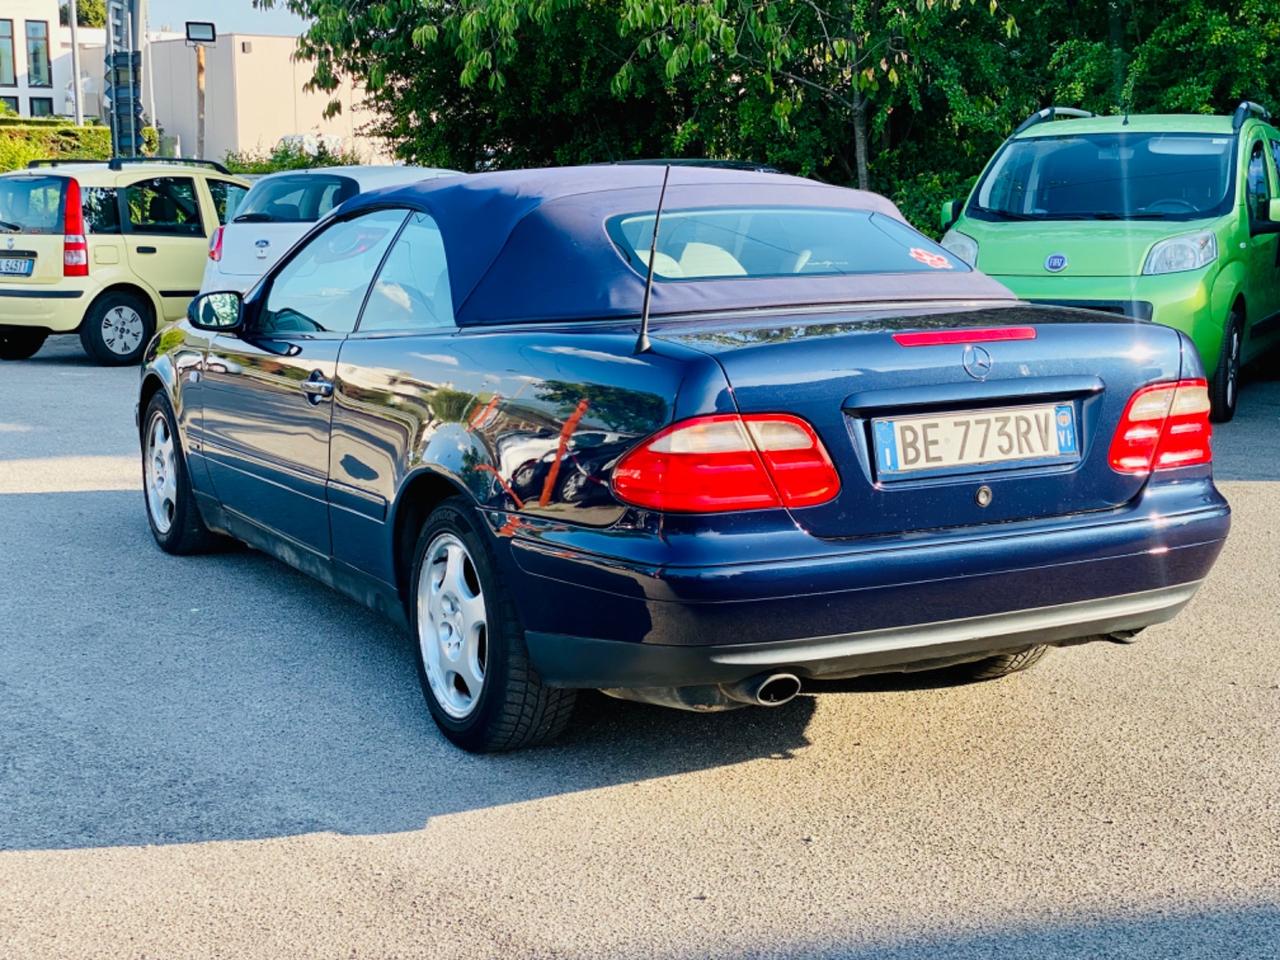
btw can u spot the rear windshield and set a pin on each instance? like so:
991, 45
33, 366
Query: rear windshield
301, 198
775, 242
1114, 176
31, 204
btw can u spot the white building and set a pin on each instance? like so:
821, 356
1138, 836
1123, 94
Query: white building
254, 95
254, 98
28, 45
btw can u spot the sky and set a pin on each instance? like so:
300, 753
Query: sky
230, 16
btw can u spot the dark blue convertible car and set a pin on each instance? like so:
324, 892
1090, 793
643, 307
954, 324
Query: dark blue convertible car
835, 450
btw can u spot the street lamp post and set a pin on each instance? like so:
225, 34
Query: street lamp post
75, 65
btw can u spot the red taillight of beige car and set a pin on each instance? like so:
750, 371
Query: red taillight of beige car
75, 246
1165, 425
728, 462
215, 246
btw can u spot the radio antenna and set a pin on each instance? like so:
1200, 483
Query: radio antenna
642, 341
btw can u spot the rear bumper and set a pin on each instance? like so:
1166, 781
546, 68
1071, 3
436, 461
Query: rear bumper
584, 662
597, 621
48, 307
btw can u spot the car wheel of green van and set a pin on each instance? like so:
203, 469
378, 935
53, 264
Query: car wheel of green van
1224, 388
117, 329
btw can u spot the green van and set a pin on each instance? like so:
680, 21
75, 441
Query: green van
1165, 218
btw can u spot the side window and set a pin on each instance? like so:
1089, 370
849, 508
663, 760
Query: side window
412, 289
322, 286
1257, 189
101, 214
164, 206
226, 197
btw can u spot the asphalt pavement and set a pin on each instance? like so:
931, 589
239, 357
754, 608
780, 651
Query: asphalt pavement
217, 757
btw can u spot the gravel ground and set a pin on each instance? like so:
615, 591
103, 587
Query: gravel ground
216, 757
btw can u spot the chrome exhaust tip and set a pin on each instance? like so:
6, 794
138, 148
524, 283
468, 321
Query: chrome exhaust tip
764, 689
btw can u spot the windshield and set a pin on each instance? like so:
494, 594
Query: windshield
775, 241
1117, 176
298, 198
31, 204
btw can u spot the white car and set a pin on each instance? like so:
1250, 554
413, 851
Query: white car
280, 208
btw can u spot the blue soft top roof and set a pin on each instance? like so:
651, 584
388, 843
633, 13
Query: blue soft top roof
531, 245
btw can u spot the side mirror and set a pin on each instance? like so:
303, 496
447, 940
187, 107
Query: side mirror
949, 214
217, 312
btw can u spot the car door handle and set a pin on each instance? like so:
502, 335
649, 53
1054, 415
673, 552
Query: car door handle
316, 387
146, 249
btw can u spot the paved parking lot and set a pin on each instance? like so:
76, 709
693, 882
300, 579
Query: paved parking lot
215, 757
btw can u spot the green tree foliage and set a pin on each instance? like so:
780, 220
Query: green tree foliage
286, 156
908, 97
23, 141
89, 13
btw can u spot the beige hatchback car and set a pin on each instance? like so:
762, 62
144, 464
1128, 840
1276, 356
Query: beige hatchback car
107, 249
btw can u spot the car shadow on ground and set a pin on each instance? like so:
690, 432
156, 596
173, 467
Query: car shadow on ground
1244, 931
148, 699
1248, 448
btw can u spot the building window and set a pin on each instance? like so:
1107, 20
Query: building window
39, 68
10, 102
8, 76
42, 106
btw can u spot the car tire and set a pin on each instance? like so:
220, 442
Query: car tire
170, 501
993, 668
1224, 390
467, 634
19, 344
117, 328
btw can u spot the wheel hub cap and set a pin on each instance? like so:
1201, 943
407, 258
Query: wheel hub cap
122, 330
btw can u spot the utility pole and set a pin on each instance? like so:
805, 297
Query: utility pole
200, 101
75, 66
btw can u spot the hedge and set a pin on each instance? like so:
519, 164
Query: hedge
21, 143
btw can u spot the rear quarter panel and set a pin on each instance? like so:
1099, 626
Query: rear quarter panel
525, 421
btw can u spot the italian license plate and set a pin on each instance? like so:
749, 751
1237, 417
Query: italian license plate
953, 442
16, 266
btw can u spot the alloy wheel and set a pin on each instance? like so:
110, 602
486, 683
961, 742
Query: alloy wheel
160, 474
1233, 366
452, 625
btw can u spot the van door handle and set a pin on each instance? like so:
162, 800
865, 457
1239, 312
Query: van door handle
146, 250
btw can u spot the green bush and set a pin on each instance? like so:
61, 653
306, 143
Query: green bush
288, 157
22, 143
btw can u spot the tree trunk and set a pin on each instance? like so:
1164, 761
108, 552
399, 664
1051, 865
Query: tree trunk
861, 145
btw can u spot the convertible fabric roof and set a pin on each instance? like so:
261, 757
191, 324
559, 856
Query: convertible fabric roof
531, 245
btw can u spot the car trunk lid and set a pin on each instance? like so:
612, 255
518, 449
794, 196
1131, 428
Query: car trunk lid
251, 249
848, 374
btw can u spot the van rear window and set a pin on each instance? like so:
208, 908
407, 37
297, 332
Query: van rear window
298, 198
31, 204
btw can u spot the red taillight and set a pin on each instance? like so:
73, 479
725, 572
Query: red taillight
728, 462
215, 245
932, 338
1165, 425
75, 247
